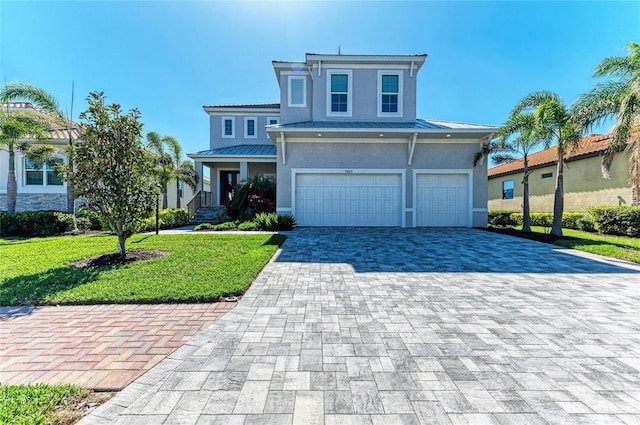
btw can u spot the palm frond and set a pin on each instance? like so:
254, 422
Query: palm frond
154, 143
598, 104
26, 92
503, 158
175, 150
40, 154
618, 67
531, 102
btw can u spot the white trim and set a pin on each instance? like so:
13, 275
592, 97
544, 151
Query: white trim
283, 209
401, 131
375, 59
301, 72
235, 158
401, 172
479, 210
349, 74
400, 94
233, 127
283, 141
270, 118
412, 146
467, 172
237, 112
304, 91
255, 127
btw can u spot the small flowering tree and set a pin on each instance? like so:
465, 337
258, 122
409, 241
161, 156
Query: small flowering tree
113, 171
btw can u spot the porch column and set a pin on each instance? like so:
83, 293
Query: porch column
244, 171
200, 175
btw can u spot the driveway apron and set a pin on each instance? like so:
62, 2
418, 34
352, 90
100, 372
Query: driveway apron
408, 326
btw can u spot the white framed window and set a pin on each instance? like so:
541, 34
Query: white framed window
389, 93
507, 189
42, 175
339, 93
228, 127
297, 89
273, 120
250, 127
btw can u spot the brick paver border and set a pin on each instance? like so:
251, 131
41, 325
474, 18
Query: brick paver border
104, 347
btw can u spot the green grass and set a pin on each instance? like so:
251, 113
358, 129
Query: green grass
199, 268
32, 404
611, 246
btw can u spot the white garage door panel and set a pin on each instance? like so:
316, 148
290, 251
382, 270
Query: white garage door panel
348, 199
442, 200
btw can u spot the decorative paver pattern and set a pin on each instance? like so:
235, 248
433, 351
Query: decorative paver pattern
415, 326
105, 347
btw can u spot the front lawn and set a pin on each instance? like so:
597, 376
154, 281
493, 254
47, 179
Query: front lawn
33, 404
622, 247
199, 268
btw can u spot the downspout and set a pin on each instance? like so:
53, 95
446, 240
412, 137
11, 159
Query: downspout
412, 146
284, 148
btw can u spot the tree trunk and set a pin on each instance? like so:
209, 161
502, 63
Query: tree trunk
526, 215
558, 200
12, 184
164, 200
177, 193
121, 242
71, 205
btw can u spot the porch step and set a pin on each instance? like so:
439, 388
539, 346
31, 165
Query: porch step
207, 214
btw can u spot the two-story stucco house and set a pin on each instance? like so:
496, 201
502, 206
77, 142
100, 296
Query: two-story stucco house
346, 148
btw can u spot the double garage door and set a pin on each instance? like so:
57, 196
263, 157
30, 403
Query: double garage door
376, 200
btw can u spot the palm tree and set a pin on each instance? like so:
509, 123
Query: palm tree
17, 91
553, 122
14, 128
171, 165
617, 98
508, 148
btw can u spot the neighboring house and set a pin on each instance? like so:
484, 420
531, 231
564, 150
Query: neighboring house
583, 181
39, 188
186, 193
346, 148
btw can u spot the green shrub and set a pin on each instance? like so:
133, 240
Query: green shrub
167, 219
248, 226
254, 196
285, 222
83, 223
622, 220
204, 226
92, 216
36, 223
586, 224
229, 225
570, 219
272, 221
501, 218
267, 221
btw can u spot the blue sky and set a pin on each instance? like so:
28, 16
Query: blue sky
169, 58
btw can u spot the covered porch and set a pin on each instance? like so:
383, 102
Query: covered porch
226, 168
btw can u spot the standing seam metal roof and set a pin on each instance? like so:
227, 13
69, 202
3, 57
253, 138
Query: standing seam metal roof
241, 150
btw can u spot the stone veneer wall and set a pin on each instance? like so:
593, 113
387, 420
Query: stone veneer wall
37, 202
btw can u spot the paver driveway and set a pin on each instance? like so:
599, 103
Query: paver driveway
411, 326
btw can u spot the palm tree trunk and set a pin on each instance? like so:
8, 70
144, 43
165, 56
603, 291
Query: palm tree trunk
12, 184
177, 193
526, 214
164, 199
558, 200
71, 205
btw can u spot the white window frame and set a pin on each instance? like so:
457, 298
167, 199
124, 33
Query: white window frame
44, 170
304, 91
277, 120
349, 112
255, 128
233, 128
400, 97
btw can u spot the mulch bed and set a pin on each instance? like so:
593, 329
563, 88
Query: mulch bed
71, 410
540, 237
115, 259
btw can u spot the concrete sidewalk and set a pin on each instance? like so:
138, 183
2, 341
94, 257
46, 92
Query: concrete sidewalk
104, 347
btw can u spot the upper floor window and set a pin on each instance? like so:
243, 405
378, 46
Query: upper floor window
250, 124
339, 93
389, 93
273, 120
297, 91
507, 189
228, 127
39, 175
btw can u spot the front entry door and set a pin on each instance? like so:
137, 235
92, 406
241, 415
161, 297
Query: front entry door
228, 180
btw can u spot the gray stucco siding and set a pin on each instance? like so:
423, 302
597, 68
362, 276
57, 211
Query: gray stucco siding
262, 168
215, 131
294, 114
364, 95
431, 158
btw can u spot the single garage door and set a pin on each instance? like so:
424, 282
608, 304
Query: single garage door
442, 200
348, 199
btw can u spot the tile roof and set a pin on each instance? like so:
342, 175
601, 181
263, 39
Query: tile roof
594, 143
246, 106
58, 132
240, 150
417, 124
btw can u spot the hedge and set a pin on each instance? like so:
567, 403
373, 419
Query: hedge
505, 218
167, 219
622, 220
36, 223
